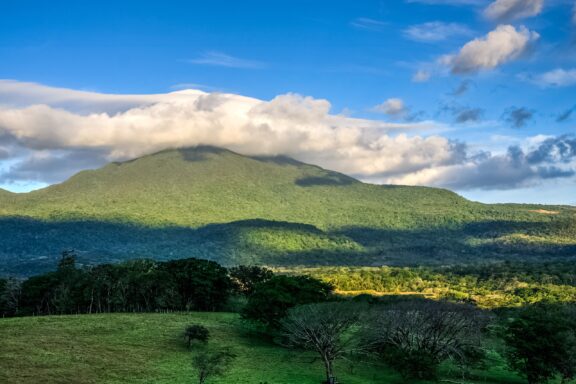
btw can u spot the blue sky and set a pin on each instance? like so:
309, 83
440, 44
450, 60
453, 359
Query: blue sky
451, 107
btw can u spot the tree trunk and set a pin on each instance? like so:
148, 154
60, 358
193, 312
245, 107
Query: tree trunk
329, 370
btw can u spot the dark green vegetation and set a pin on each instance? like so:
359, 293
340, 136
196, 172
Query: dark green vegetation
366, 338
212, 203
133, 286
542, 343
507, 284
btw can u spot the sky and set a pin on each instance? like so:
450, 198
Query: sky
478, 96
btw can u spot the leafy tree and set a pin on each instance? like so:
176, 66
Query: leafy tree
541, 342
272, 299
202, 285
324, 328
245, 277
415, 337
196, 332
37, 292
212, 363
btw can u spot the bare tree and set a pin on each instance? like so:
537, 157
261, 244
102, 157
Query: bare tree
211, 363
10, 297
327, 328
415, 337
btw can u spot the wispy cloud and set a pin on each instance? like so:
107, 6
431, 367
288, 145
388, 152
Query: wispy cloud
187, 86
435, 31
368, 24
462, 88
505, 10
449, 2
221, 59
566, 115
555, 78
518, 117
421, 76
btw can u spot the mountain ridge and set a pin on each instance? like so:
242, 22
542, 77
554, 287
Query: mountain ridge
213, 203
231, 186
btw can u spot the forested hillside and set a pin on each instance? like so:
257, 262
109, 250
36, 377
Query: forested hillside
213, 203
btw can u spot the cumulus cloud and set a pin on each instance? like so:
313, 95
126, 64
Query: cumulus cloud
392, 107
513, 9
502, 45
289, 124
463, 114
57, 135
518, 117
553, 158
435, 31
466, 115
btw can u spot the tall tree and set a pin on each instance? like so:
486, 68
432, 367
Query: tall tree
245, 277
272, 299
541, 342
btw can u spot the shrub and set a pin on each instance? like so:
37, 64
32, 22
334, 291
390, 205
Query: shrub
196, 332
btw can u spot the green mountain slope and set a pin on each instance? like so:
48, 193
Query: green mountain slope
205, 185
204, 202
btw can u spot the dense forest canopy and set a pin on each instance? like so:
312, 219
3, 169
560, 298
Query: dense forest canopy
215, 204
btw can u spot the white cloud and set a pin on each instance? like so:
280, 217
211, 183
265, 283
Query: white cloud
421, 76
502, 45
513, 9
221, 59
435, 31
552, 158
555, 78
290, 124
393, 107
48, 139
17, 94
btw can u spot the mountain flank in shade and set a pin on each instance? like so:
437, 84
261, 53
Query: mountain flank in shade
213, 203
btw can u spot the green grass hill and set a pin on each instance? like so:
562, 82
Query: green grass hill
150, 348
213, 203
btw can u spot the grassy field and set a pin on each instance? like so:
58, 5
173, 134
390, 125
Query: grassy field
149, 348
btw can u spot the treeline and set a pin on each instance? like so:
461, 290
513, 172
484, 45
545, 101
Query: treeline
134, 286
490, 286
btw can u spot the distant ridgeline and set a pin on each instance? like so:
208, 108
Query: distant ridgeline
212, 203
